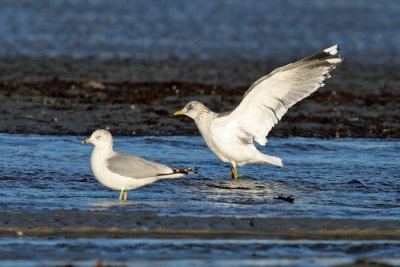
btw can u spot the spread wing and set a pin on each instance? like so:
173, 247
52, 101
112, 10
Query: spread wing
136, 167
268, 99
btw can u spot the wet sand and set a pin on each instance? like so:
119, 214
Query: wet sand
70, 224
64, 96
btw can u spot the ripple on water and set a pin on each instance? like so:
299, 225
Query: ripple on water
337, 178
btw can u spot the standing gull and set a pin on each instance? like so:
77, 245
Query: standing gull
125, 172
231, 135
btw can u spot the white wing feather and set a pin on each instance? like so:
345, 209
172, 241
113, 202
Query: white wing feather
268, 99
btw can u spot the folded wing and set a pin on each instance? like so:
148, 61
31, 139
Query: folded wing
136, 167
268, 99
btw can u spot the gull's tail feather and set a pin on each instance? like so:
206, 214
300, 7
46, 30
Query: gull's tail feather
272, 160
177, 173
185, 170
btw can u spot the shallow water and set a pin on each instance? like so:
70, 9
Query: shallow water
123, 252
338, 178
330, 179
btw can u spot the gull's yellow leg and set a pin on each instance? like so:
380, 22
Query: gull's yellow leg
125, 194
234, 173
120, 195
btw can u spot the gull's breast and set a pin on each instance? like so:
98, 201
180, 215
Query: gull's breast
227, 145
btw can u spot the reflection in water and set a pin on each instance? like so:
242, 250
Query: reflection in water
105, 205
124, 205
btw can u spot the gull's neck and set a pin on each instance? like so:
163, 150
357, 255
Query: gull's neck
203, 122
102, 151
99, 155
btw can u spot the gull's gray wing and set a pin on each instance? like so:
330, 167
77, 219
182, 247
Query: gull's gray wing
268, 99
136, 167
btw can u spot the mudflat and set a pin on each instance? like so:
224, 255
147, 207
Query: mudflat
66, 96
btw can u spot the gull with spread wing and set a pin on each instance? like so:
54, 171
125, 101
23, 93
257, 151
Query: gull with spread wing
231, 135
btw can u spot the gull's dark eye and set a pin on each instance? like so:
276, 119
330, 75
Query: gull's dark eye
190, 107
98, 137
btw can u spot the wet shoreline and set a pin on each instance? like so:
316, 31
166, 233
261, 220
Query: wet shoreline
69, 224
65, 96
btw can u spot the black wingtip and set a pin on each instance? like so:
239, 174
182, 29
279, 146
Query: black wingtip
324, 54
185, 170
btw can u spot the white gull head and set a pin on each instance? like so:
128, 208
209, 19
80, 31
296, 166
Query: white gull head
101, 139
194, 110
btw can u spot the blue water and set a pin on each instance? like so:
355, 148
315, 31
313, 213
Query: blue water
334, 178
125, 252
179, 29
329, 179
